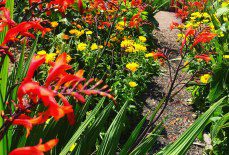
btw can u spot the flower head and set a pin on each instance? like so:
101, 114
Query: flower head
54, 24
133, 84
132, 66
35, 150
205, 78
81, 46
94, 46
142, 38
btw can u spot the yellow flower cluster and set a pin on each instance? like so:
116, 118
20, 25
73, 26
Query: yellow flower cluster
133, 84
76, 32
81, 46
130, 46
120, 26
205, 78
50, 57
132, 66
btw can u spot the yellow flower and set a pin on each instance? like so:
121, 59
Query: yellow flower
133, 84
120, 26
132, 66
130, 49
94, 46
224, 4
54, 24
72, 147
196, 14
139, 47
50, 57
42, 52
100, 46
127, 43
142, 38
205, 78
81, 46
76, 32
89, 32
69, 58
149, 55
206, 15
226, 56
73, 31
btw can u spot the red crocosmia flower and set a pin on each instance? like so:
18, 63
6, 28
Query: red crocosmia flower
4, 50
35, 63
80, 6
135, 21
61, 5
70, 116
136, 3
58, 68
204, 57
100, 4
5, 19
203, 37
23, 29
35, 150
27, 122
3, 3
158, 55
35, 92
189, 32
174, 25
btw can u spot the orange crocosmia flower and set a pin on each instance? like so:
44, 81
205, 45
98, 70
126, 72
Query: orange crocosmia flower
58, 68
135, 21
189, 32
35, 150
203, 37
27, 122
204, 57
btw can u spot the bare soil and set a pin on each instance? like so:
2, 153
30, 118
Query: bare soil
180, 114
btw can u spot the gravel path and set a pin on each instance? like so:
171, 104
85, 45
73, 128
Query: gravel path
180, 114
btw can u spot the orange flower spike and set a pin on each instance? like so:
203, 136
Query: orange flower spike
58, 68
189, 32
204, 37
35, 150
78, 97
204, 57
158, 55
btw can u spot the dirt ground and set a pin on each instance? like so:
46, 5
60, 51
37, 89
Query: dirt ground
180, 114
